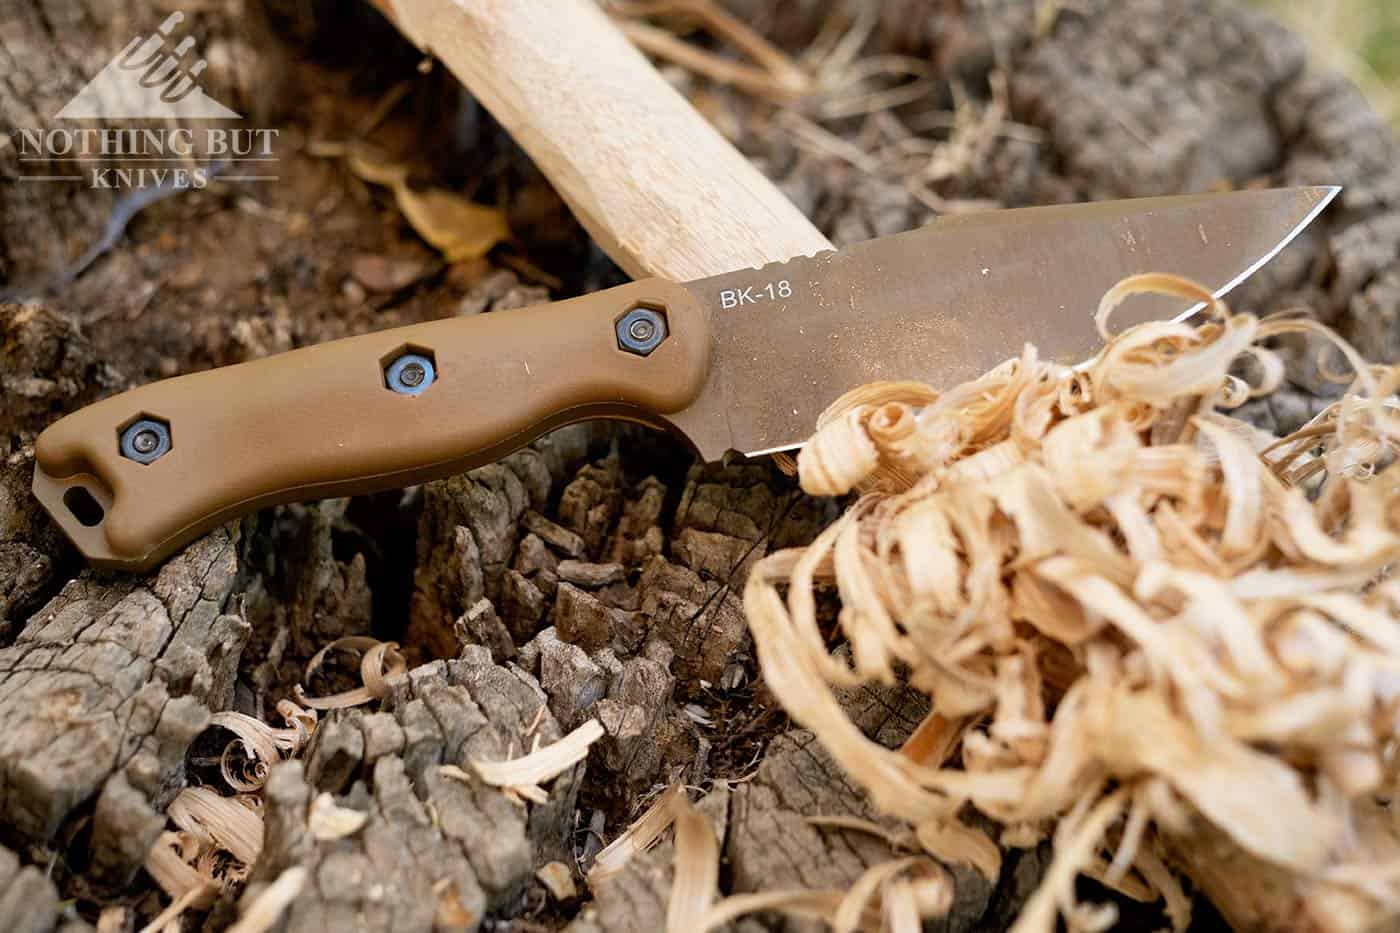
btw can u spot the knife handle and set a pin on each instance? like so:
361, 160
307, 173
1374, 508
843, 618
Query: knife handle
340, 419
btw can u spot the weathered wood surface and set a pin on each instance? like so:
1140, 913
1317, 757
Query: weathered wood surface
609, 569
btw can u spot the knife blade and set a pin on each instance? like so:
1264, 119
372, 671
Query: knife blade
742, 361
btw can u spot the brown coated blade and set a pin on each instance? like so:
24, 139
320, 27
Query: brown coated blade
944, 303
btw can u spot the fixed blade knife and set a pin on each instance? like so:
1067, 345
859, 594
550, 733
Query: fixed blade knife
743, 361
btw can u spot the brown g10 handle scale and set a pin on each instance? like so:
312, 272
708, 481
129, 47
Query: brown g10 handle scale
366, 413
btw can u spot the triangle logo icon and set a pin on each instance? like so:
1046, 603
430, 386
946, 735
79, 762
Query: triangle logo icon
146, 81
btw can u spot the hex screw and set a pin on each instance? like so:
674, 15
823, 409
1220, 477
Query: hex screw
410, 374
145, 441
641, 331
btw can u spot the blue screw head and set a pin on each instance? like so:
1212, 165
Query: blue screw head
641, 331
145, 441
410, 374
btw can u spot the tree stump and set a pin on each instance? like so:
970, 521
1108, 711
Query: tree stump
594, 575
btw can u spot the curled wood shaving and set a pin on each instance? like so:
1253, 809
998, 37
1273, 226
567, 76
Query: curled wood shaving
380, 661
218, 841
807, 904
523, 776
169, 918
262, 745
697, 871
1102, 580
219, 822
171, 864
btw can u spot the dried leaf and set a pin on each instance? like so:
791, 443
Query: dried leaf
460, 228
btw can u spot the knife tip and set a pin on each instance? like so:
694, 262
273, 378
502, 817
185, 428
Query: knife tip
1316, 198
1324, 194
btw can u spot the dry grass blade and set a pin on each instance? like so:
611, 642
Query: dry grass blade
1101, 579
773, 75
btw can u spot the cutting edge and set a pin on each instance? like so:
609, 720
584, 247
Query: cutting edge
1331, 193
1264, 260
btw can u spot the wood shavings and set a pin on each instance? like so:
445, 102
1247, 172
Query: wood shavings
262, 745
219, 821
523, 776
171, 863
218, 841
1101, 580
380, 661
906, 888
